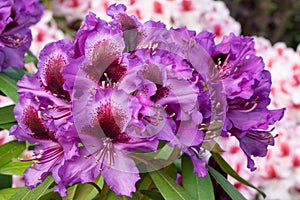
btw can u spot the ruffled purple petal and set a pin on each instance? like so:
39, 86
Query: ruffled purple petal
122, 177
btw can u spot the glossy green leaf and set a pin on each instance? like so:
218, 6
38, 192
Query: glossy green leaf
78, 192
10, 150
152, 194
171, 170
145, 182
35, 193
228, 170
7, 115
8, 86
7, 126
14, 73
107, 194
168, 187
7, 193
99, 181
15, 168
29, 57
50, 195
112, 196
226, 185
199, 188
6, 181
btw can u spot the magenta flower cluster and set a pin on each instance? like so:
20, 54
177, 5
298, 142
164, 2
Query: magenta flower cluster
123, 87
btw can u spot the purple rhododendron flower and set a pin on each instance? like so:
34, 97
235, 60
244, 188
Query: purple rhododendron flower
103, 101
44, 116
15, 35
247, 86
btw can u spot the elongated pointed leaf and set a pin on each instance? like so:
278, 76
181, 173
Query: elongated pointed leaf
7, 126
227, 169
7, 193
152, 194
226, 185
199, 188
29, 57
112, 196
8, 86
84, 191
10, 150
99, 181
79, 192
15, 168
36, 193
51, 195
7, 115
6, 181
168, 187
107, 194
14, 73
145, 182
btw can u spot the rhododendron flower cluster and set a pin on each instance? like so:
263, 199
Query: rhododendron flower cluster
15, 35
197, 15
105, 102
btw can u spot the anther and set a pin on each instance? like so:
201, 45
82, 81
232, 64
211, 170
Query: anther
197, 79
172, 115
37, 99
39, 114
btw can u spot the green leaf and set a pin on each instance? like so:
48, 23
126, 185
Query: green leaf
228, 170
99, 181
6, 181
36, 193
152, 194
79, 191
168, 187
226, 185
15, 168
199, 188
29, 57
7, 115
107, 194
50, 195
8, 86
7, 193
171, 170
10, 150
145, 182
7, 126
14, 73
112, 196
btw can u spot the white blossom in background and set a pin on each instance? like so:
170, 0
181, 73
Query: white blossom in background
284, 65
199, 15
44, 32
72, 9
